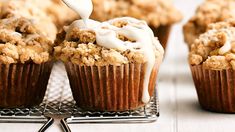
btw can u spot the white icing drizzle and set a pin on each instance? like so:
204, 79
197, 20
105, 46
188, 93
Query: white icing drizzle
81, 25
107, 36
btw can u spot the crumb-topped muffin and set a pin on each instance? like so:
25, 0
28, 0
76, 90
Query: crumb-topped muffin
212, 61
26, 9
25, 62
210, 11
106, 76
159, 14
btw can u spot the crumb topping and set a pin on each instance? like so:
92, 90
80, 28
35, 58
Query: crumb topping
26, 9
210, 11
154, 12
22, 42
81, 48
215, 49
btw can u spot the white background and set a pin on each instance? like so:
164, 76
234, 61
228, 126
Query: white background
180, 111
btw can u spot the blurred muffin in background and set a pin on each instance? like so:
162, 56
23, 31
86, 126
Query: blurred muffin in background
212, 62
60, 13
208, 12
25, 60
26, 9
159, 14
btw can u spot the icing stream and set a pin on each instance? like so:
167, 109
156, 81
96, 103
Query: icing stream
82, 7
106, 36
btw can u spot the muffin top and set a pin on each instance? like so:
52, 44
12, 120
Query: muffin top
26, 9
215, 49
210, 11
22, 42
154, 12
85, 46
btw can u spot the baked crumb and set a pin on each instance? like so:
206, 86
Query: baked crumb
22, 42
210, 11
215, 48
26, 9
217, 63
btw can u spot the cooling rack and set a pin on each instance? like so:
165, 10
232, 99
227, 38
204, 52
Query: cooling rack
58, 100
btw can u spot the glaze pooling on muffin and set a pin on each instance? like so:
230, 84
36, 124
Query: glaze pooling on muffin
106, 35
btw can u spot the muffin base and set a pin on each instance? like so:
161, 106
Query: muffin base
215, 89
109, 88
163, 33
23, 85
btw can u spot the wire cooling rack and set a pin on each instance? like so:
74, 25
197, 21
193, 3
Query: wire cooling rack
58, 100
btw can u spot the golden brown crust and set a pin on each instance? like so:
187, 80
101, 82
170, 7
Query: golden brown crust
210, 11
155, 12
215, 49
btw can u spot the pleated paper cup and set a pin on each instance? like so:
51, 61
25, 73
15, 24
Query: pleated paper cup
23, 85
109, 88
215, 89
162, 33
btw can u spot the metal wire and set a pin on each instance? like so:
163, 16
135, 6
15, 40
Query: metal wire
58, 100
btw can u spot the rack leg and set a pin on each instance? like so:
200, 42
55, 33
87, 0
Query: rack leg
64, 125
47, 124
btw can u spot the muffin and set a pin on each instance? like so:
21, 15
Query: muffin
114, 72
25, 62
26, 9
58, 12
159, 14
210, 11
212, 62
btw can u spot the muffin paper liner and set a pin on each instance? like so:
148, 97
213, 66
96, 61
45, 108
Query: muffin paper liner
162, 33
109, 88
23, 85
215, 89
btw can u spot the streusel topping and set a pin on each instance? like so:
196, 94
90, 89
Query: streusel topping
215, 49
22, 42
154, 12
210, 11
26, 9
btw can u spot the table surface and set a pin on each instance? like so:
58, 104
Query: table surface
179, 108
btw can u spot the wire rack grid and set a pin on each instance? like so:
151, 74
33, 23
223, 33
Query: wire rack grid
58, 100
